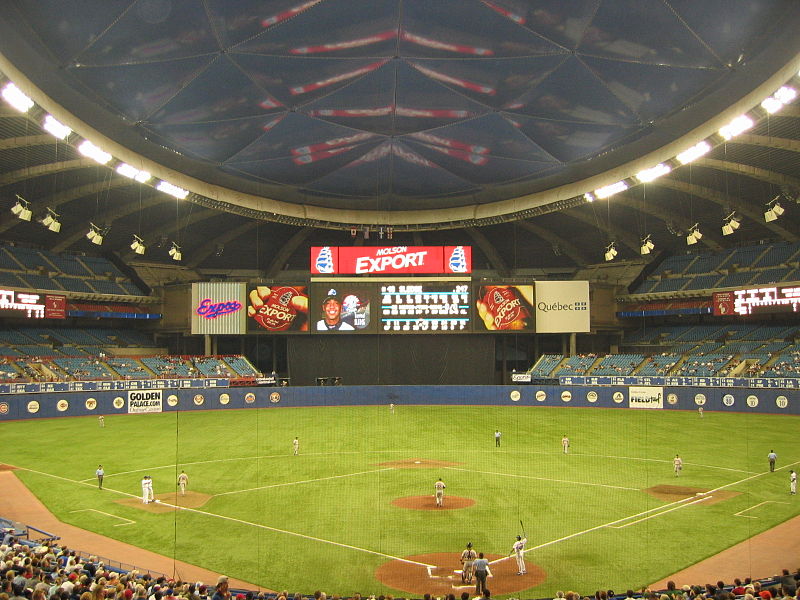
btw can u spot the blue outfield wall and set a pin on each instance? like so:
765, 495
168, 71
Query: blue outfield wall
740, 400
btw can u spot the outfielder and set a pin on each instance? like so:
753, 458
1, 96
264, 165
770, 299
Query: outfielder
439, 494
296, 446
565, 443
518, 549
792, 483
468, 557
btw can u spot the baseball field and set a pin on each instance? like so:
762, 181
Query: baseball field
354, 511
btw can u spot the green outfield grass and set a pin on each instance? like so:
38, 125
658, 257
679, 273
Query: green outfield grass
324, 519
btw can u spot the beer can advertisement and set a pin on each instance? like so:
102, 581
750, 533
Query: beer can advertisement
343, 308
504, 308
278, 308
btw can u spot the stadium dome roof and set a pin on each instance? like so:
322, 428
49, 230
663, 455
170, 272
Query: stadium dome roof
283, 117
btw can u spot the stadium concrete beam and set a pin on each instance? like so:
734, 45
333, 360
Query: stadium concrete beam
767, 141
45, 169
616, 234
287, 250
745, 209
711, 240
488, 249
201, 253
55, 200
27, 141
749, 171
121, 212
570, 249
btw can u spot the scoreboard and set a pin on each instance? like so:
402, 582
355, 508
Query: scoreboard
428, 307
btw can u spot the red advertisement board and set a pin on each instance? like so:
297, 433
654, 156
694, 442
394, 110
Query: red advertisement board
723, 304
391, 260
55, 307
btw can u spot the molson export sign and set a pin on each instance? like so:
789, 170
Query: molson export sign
392, 260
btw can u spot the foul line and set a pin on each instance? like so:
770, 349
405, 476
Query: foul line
275, 485
243, 522
741, 512
663, 512
615, 487
129, 522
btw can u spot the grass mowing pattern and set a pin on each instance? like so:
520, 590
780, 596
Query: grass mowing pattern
324, 519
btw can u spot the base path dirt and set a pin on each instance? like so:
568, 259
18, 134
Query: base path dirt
429, 502
440, 574
676, 493
19, 504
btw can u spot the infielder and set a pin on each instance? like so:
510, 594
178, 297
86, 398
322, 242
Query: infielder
677, 464
183, 481
147, 489
565, 443
792, 483
468, 557
518, 549
439, 494
296, 446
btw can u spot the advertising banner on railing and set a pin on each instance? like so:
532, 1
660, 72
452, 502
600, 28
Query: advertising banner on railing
111, 386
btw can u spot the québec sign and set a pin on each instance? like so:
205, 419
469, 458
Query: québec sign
347, 260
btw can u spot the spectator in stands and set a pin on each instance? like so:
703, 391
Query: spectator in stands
221, 592
788, 583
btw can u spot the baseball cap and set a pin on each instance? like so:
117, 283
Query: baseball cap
332, 295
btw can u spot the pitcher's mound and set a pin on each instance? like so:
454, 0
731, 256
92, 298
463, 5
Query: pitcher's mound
168, 502
429, 502
444, 575
417, 463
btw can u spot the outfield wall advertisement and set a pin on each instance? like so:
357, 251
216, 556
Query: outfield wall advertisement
645, 397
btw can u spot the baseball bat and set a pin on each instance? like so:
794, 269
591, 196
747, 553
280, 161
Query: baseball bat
523, 528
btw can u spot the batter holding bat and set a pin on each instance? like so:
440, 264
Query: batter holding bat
518, 549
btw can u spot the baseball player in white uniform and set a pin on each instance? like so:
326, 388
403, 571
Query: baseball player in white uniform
677, 464
468, 557
147, 489
518, 549
439, 494
565, 443
792, 483
183, 481
296, 446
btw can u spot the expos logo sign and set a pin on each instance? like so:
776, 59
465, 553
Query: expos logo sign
211, 310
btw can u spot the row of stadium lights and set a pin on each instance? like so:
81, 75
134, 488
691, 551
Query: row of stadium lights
96, 234
785, 95
773, 209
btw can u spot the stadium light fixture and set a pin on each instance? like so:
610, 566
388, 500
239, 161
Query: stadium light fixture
774, 210
138, 245
736, 127
610, 190
693, 153
95, 234
175, 252
172, 190
647, 245
694, 235
89, 150
648, 175
14, 96
779, 99
56, 128
611, 251
130, 172
22, 209
51, 221
731, 224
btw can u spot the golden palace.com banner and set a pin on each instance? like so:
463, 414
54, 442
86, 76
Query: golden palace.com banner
145, 401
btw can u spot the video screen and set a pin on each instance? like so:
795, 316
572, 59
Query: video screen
504, 308
343, 307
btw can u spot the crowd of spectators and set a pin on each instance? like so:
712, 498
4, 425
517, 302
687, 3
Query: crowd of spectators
50, 571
